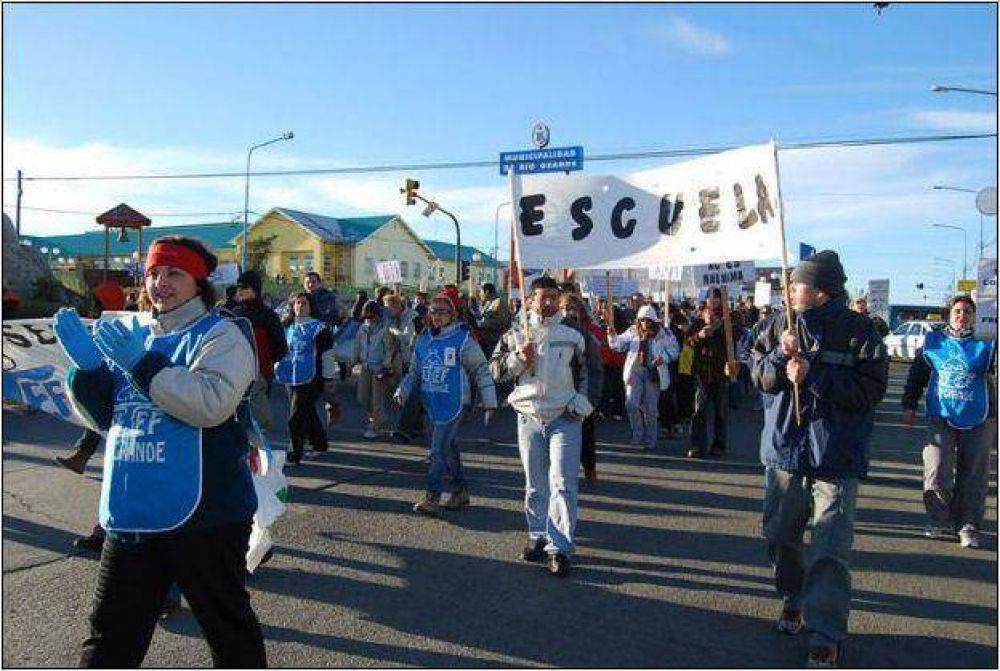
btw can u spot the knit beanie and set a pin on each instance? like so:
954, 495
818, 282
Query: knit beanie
822, 271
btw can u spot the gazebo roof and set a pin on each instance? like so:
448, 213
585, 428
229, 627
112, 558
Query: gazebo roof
123, 216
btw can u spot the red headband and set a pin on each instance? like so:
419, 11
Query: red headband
177, 256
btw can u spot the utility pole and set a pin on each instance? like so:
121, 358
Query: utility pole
17, 212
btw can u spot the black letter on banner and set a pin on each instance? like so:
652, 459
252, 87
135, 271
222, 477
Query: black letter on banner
763, 202
670, 214
709, 209
39, 334
530, 215
620, 230
747, 219
15, 339
578, 210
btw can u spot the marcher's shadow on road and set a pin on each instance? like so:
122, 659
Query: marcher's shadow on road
42, 536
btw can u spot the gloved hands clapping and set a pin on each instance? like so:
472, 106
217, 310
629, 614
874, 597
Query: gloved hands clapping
76, 340
122, 345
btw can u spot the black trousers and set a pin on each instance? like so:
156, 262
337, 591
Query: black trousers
613, 391
210, 567
303, 422
588, 452
714, 397
88, 442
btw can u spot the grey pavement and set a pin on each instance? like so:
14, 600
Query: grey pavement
670, 570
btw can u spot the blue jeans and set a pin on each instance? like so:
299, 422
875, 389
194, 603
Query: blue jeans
642, 402
823, 588
550, 454
445, 458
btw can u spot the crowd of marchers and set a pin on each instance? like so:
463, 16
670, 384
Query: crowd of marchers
816, 367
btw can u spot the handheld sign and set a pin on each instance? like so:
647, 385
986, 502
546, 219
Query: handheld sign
389, 272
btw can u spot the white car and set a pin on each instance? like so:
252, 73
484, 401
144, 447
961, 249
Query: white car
908, 337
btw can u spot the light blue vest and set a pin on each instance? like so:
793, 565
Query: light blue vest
299, 365
153, 465
441, 374
957, 392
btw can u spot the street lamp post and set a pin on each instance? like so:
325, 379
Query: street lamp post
496, 239
938, 88
965, 246
246, 193
941, 187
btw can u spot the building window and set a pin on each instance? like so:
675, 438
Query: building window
293, 264
404, 269
327, 264
416, 270
369, 265
307, 263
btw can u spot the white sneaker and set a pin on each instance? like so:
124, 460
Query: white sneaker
968, 536
370, 433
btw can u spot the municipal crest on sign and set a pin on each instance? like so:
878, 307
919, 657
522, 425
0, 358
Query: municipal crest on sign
540, 135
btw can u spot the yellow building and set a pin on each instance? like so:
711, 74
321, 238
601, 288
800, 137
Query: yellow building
345, 251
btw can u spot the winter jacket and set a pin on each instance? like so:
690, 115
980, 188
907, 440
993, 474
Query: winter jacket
267, 333
474, 365
557, 382
495, 320
709, 361
664, 345
376, 348
848, 373
198, 386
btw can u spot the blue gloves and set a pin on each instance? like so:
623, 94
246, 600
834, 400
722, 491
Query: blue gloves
76, 340
124, 346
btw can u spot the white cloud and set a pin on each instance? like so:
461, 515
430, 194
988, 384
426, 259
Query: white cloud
698, 39
954, 120
334, 195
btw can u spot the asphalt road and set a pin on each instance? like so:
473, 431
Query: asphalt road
670, 570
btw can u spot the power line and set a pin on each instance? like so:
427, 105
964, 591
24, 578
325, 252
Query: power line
159, 214
458, 165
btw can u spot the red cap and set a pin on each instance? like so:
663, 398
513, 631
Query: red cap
452, 296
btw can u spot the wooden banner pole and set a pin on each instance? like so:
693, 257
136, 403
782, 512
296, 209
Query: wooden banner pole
784, 277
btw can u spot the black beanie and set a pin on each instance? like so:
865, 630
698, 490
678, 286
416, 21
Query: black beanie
822, 271
251, 280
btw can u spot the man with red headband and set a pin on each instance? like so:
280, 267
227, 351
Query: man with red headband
177, 498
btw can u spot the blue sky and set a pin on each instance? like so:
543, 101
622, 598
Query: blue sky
99, 89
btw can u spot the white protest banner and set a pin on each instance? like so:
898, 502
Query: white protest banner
728, 273
717, 208
762, 294
986, 278
225, 274
389, 272
986, 318
878, 297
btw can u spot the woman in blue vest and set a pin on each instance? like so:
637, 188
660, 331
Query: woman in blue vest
446, 361
177, 497
308, 370
959, 372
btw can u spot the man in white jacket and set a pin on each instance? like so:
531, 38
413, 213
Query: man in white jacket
646, 373
548, 367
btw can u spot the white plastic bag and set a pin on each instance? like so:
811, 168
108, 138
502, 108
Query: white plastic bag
260, 543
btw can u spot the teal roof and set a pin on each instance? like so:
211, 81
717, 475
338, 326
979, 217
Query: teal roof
337, 229
446, 251
216, 236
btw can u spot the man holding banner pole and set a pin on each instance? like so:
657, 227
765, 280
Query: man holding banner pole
550, 377
838, 361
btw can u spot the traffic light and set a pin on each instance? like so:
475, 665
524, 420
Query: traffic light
465, 270
410, 189
920, 285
